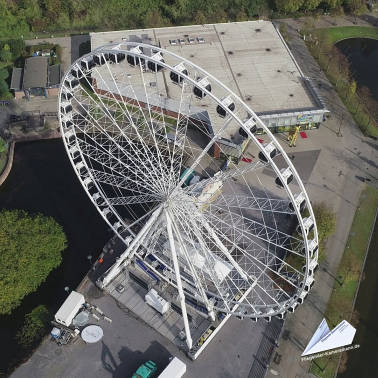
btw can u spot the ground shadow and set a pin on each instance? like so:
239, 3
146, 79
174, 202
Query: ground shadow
129, 360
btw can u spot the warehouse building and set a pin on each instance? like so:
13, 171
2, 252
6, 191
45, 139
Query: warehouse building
251, 58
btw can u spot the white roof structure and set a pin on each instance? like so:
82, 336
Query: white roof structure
69, 308
324, 339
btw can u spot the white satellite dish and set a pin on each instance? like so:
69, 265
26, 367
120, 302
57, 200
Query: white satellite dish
92, 334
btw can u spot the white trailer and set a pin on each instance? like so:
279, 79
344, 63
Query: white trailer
175, 369
70, 308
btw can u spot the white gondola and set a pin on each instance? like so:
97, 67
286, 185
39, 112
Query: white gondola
87, 63
287, 176
299, 201
76, 72
134, 60
74, 152
153, 64
269, 150
81, 168
227, 102
65, 107
117, 57
202, 84
175, 75
97, 197
71, 81
88, 182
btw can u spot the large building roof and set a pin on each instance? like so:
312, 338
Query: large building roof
35, 72
249, 57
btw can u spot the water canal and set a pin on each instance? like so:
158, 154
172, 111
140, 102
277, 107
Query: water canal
362, 54
42, 180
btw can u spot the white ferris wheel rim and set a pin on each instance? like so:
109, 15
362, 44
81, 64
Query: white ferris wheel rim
124, 47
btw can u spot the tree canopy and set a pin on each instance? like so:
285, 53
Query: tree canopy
34, 327
22, 16
30, 248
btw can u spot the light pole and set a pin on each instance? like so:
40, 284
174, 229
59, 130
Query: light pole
67, 289
337, 279
89, 257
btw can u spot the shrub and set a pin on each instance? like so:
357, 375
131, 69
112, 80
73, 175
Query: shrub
325, 221
34, 328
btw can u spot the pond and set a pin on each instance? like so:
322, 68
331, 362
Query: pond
42, 180
362, 54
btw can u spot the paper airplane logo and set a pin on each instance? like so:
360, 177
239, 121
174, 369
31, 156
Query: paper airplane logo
324, 339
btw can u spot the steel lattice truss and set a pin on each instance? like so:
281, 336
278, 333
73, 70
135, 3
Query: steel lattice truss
157, 144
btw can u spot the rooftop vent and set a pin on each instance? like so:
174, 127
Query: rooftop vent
267, 49
223, 33
230, 52
291, 95
238, 74
257, 30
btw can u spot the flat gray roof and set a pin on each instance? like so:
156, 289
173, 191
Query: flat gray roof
16, 81
35, 72
249, 57
54, 75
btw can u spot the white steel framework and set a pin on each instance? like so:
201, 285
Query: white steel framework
152, 138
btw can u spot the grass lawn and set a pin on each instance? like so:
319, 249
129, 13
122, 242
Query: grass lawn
3, 160
337, 34
340, 304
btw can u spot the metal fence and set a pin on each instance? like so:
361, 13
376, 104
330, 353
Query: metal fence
264, 354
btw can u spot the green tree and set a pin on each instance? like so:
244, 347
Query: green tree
352, 88
12, 21
288, 6
332, 4
34, 328
30, 248
3, 145
199, 18
310, 5
355, 6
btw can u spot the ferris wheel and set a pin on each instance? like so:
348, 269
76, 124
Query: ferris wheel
190, 178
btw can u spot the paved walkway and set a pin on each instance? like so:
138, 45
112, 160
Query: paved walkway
337, 180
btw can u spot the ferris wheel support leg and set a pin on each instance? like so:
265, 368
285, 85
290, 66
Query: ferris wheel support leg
189, 340
131, 249
195, 276
225, 251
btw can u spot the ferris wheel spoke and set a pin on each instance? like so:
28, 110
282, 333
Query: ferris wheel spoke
252, 230
255, 261
195, 239
252, 203
244, 282
142, 157
129, 200
115, 165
